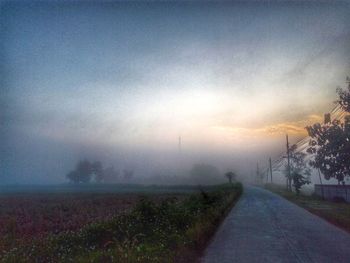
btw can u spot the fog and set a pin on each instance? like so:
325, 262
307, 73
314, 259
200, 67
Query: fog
120, 82
30, 160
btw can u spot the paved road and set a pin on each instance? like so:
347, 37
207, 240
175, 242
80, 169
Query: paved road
264, 227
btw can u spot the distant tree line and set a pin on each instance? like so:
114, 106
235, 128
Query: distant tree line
86, 172
94, 172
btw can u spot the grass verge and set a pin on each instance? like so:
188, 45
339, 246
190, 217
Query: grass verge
336, 213
172, 231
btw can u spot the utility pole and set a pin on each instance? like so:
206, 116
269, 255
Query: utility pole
180, 144
270, 169
258, 173
289, 182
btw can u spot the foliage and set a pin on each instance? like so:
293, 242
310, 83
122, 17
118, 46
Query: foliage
299, 170
150, 233
330, 143
344, 97
97, 170
86, 171
73, 176
230, 176
82, 173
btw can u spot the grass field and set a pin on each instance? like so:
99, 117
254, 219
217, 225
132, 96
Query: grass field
170, 224
335, 213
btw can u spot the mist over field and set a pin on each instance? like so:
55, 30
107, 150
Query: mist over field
120, 82
38, 161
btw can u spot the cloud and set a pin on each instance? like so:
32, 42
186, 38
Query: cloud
296, 128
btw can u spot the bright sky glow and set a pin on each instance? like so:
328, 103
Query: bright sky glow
222, 75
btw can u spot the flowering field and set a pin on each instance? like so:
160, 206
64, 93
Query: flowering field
81, 227
28, 216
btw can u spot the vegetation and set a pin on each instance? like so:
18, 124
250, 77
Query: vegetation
230, 176
86, 171
299, 170
26, 216
344, 96
335, 213
330, 142
169, 231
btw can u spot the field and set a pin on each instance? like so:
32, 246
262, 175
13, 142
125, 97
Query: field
40, 219
29, 215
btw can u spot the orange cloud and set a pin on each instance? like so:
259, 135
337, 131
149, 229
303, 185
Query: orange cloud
295, 128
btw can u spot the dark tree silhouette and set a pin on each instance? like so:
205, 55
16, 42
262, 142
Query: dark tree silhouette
230, 176
330, 142
84, 170
299, 170
98, 171
344, 96
73, 176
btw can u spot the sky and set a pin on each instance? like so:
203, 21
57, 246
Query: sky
121, 81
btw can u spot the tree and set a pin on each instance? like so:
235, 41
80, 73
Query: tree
84, 171
98, 171
344, 97
331, 148
330, 142
230, 176
73, 176
84, 168
299, 171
